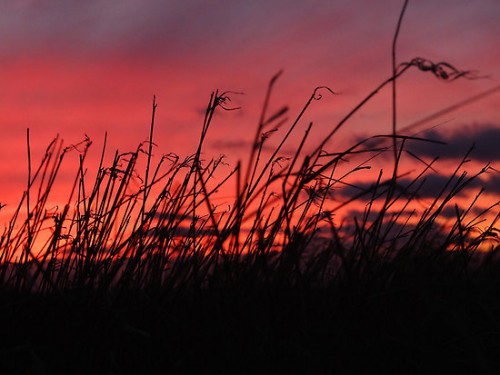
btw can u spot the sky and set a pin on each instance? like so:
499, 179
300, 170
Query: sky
78, 68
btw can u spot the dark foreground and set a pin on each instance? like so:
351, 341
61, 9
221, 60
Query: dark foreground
422, 318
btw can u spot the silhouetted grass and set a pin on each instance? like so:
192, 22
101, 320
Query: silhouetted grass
141, 271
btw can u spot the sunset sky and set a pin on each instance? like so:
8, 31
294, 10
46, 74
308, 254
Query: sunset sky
85, 67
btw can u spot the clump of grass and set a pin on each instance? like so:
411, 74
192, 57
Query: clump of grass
144, 266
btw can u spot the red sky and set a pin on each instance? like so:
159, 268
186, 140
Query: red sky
85, 67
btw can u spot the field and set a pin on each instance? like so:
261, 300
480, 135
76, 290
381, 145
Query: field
144, 270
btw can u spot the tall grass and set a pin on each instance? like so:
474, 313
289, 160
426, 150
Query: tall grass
166, 231
146, 231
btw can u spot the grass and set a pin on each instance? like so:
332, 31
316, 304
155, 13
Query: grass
142, 272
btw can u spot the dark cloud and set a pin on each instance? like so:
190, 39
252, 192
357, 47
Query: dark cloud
450, 211
492, 183
393, 228
448, 145
485, 139
429, 186
400, 228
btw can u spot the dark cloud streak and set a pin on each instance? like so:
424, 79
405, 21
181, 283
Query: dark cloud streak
485, 139
429, 186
